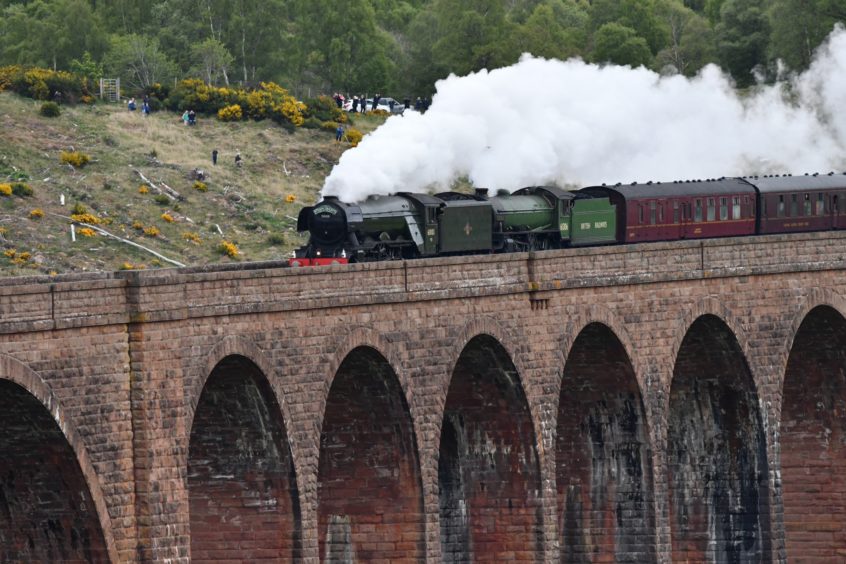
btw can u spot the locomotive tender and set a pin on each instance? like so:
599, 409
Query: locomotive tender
407, 225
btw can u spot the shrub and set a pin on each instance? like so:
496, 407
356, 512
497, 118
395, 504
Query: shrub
143, 189
129, 266
41, 84
151, 231
323, 108
200, 186
50, 109
37, 213
383, 113
230, 113
10, 253
329, 126
87, 232
137, 225
192, 236
276, 239
88, 218
78, 209
167, 217
161, 199
290, 198
354, 136
228, 248
311, 123
22, 189
5, 190
76, 159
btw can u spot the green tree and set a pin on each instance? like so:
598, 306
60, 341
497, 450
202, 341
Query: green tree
742, 37
345, 49
87, 67
472, 35
799, 26
638, 15
555, 29
616, 43
139, 62
211, 61
50, 33
691, 43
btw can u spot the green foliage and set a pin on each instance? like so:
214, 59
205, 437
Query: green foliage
22, 189
798, 26
742, 34
161, 199
324, 108
211, 60
50, 109
42, 84
691, 39
638, 15
555, 29
87, 67
616, 43
139, 61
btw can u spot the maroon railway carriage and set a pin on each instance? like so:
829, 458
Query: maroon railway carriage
801, 203
667, 211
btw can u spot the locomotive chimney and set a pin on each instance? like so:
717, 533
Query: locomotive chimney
482, 193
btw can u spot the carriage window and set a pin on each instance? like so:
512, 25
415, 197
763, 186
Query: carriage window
735, 207
698, 211
675, 212
724, 209
834, 204
640, 214
652, 213
781, 206
794, 205
432, 212
807, 204
661, 213
820, 204
712, 211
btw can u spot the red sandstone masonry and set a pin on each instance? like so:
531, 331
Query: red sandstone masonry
125, 355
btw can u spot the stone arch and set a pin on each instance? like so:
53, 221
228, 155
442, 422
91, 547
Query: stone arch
369, 479
603, 447
357, 337
489, 471
717, 464
20, 375
241, 480
813, 431
712, 306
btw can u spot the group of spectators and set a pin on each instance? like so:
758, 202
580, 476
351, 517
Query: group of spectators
358, 103
145, 106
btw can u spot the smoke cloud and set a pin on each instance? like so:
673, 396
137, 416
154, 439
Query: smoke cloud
572, 123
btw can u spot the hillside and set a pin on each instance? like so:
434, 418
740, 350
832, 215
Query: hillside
248, 204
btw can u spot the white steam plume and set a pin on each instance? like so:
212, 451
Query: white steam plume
573, 123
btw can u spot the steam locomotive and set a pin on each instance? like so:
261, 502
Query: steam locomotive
409, 225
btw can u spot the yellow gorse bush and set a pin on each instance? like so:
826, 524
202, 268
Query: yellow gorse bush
143, 189
37, 213
151, 231
167, 217
354, 136
87, 232
200, 186
192, 236
86, 218
5, 190
76, 159
228, 248
230, 113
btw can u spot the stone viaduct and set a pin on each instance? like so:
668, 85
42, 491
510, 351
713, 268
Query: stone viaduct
680, 402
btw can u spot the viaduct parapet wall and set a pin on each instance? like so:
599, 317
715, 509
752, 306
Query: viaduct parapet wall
666, 402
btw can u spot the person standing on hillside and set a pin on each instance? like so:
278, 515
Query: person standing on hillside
214, 156
238, 159
339, 133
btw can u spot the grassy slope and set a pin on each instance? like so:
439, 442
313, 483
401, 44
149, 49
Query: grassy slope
248, 204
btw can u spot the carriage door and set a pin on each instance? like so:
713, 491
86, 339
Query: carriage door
836, 222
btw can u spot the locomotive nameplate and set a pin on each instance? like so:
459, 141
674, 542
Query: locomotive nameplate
325, 209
